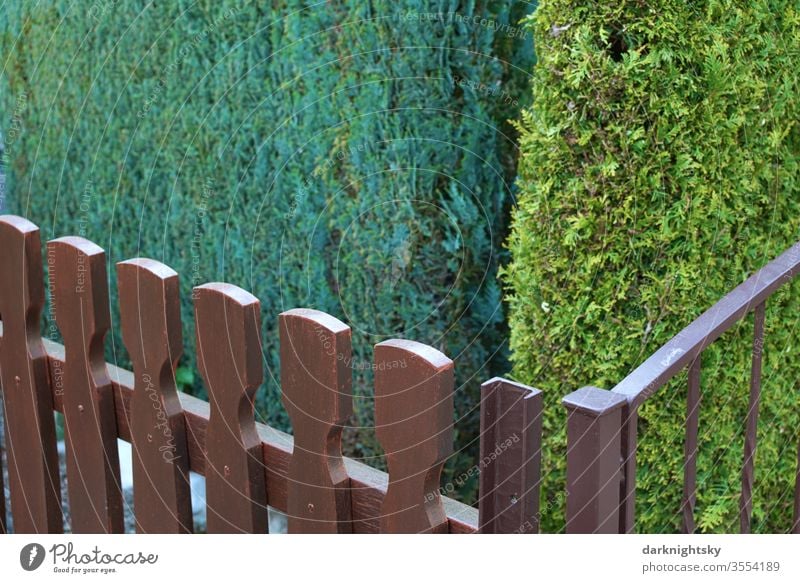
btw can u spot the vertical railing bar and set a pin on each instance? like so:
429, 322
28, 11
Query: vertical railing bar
627, 508
796, 524
690, 447
751, 432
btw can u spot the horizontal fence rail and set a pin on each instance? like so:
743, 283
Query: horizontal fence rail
602, 426
247, 465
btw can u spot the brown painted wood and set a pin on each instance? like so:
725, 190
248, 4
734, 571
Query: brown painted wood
367, 485
510, 457
316, 387
78, 283
414, 424
32, 458
151, 331
228, 324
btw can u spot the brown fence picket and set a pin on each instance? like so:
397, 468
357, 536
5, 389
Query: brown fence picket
34, 480
80, 299
228, 321
510, 457
316, 384
151, 331
414, 424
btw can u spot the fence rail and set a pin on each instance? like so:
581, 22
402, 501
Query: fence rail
247, 465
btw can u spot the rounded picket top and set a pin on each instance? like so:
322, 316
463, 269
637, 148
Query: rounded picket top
413, 397
313, 346
228, 327
79, 288
21, 261
150, 309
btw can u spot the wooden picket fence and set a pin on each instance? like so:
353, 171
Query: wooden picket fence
247, 466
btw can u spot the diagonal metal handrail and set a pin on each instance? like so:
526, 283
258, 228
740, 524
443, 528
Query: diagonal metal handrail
687, 345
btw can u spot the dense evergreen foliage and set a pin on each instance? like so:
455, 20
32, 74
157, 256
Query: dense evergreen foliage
351, 156
659, 168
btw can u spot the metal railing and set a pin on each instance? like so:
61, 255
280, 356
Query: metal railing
602, 425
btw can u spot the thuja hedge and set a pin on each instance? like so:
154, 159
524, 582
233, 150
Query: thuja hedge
353, 157
659, 168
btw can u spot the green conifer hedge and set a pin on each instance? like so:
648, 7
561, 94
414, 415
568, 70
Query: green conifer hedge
352, 156
659, 168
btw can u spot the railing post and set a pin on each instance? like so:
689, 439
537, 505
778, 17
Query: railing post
510, 457
594, 468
